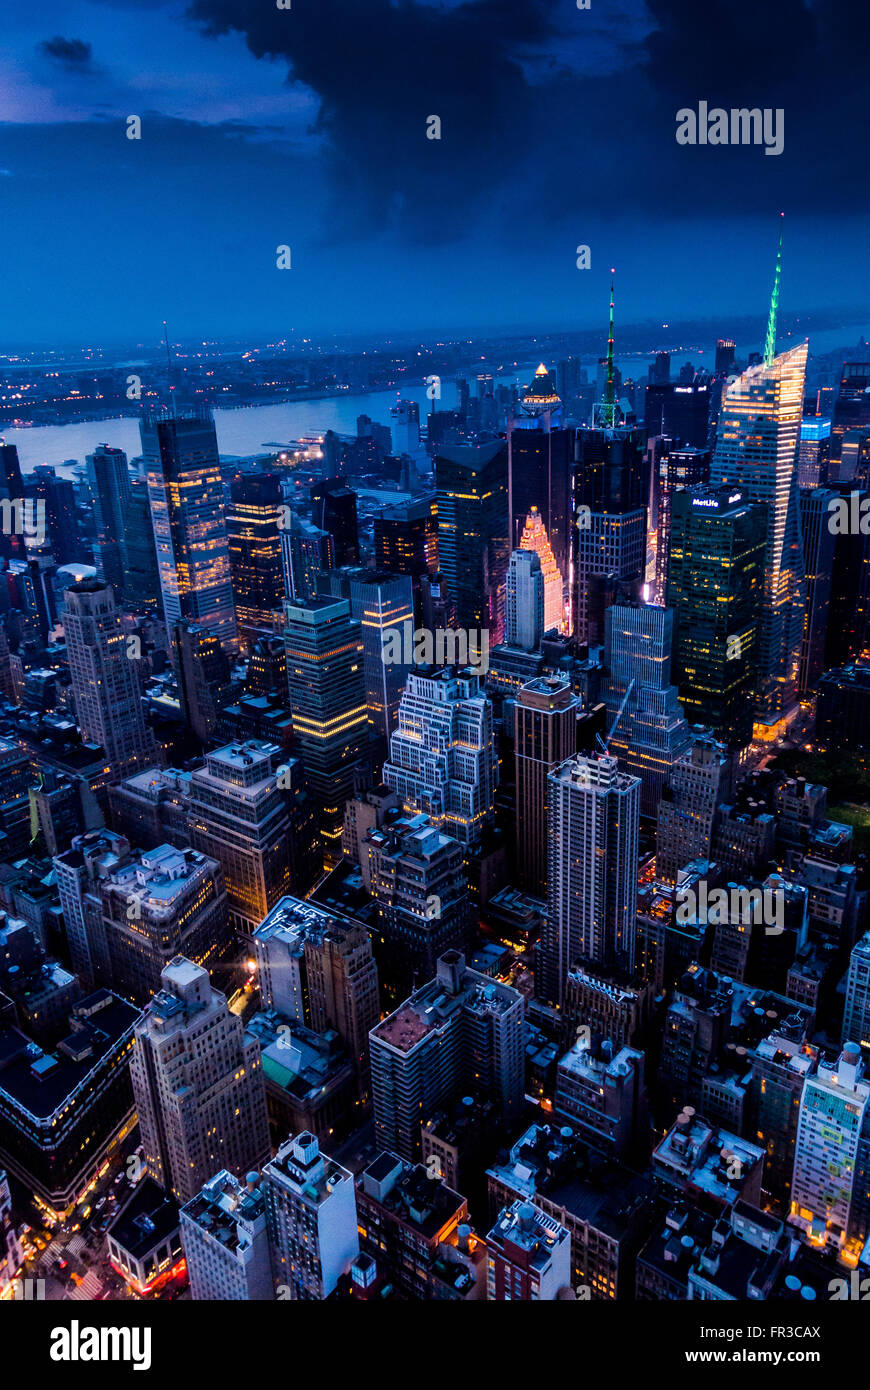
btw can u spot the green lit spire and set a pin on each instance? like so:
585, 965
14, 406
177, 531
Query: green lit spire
608, 411
770, 341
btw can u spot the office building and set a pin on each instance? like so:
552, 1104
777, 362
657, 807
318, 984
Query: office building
819, 550
756, 453
80, 871
311, 1218
525, 602
161, 904
226, 1242
199, 1085
460, 1031
325, 677
593, 818
698, 785
540, 466
443, 760
609, 533
238, 813
602, 1091
680, 410
142, 577
204, 677
780, 1067
535, 538
383, 605
254, 545
406, 538
473, 532
716, 590
545, 734
646, 728
333, 509
813, 452
420, 887
673, 470
188, 515
318, 970
105, 687
109, 483
305, 551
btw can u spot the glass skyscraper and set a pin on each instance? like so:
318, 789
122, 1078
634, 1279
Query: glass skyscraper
188, 513
756, 451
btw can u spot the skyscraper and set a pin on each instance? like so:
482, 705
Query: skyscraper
831, 1122
109, 483
238, 814
254, 544
698, 784
609, 524
188, 514
473, 545
715, 588
540, 464
333, 509
545, 735
305, 551
856, 1014
311, 1216
104, 682
160, 904
443, 758
327, 695
593, 818
534, 537
647, 729
524, 601
420, 886
198, 1083
756, 453
383, 605
675, 470
819, 549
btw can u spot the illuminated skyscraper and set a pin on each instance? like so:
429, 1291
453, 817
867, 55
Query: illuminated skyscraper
324, 650
254, 543
593, 816
383, 605
535, 538
524, 601
540, 463
715, 588
443, 758
756, 452
105, 686
187, 510
610, 524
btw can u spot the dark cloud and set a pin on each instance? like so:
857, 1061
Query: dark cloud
542, 140
72, 54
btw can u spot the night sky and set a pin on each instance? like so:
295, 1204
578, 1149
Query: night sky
307, 127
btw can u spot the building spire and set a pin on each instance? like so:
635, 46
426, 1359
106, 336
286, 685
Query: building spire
770, 341
609, 411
